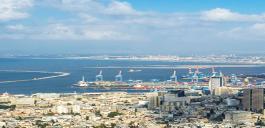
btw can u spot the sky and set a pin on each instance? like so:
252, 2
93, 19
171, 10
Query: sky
170, 27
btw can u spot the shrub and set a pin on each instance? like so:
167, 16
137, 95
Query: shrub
113, 114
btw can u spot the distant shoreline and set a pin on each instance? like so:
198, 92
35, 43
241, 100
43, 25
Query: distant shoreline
177, 67
195, 60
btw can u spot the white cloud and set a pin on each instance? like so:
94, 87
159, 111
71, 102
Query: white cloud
253, 33
88, 18
106, 35
93, 20
118, 20
91, 6
120, 8
75, 32
259, 26
16, 27
95, 6
54, 32
222, 14
14, 9
13, 36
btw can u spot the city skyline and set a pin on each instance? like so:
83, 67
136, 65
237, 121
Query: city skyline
131, 27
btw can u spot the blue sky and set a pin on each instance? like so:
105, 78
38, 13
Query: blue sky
244, 6
180, 27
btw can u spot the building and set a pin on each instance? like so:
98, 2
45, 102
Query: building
169, 101
253, 99
46, 95
154, 102
238, 117
5, 98
215, 82
76, 109
233, 79
24, 102
61, 109
232, 102
224, 90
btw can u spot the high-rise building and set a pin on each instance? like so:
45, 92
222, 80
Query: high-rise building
169, 101
258, 99
253, 99
154, 102
215, 82
233, 79
246, 101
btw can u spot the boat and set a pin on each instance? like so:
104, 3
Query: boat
139, 86
133, 70
82, 83
35, 78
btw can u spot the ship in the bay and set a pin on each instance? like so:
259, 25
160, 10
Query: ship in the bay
82, 83
134, 70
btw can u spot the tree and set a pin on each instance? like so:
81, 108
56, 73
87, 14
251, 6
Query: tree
87, 117
97, 113
132, 125
41, 124
259, 122
100, 126
19, 118
113, 125
12, 107
113, 114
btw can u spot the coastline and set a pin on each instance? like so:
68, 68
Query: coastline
178, 67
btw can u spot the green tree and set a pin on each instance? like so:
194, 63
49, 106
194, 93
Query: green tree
87, 117
97, 113
113, 114
132, 125
101, 126
113, 125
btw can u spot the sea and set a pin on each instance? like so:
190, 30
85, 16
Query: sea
20, 75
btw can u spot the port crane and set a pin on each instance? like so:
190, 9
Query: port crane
173, 77
99, 77
118, 78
